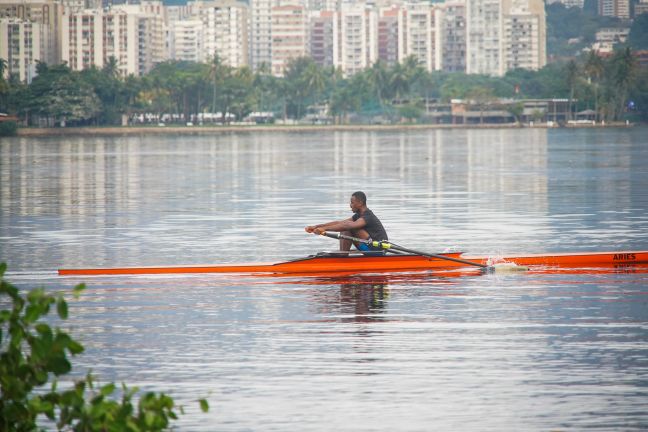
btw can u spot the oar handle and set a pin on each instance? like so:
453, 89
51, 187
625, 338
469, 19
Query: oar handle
388, 245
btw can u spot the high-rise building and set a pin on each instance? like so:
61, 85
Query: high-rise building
641, 7
225, 31
524, 35
186, 41
484, 37
322, 37
289, 38
260, 33
21, 46
358, 48
420, 35
452, 32
506, 34
614, 8
46, 12
390, 37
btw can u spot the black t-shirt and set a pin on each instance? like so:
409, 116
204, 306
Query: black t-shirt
373, 225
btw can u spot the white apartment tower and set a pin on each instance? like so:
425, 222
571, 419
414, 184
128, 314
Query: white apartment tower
186, 41
225, 31
358, 48
289, 37
614, 8
420, 35
21, 46
506, 34
46, 12
260, 32
524, 35
484, 37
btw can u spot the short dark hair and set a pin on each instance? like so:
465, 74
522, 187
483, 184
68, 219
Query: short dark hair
360, 196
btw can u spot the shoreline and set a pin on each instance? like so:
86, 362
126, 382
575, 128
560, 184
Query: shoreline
207, 130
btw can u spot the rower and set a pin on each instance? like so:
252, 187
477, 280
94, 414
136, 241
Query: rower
363, 224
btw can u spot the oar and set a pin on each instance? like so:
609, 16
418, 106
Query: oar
388, 245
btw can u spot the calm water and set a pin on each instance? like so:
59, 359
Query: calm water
517, 352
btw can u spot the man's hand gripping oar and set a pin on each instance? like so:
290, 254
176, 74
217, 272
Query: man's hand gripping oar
388, 246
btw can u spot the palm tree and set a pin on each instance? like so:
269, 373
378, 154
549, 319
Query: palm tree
379, 77
594, 68
571, 76
624, 68
216, 69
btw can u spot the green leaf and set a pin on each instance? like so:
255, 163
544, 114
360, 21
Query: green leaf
32, 313
62, 308
3, 269
75, 347
204, 405
78, 289
108, 389
59, 365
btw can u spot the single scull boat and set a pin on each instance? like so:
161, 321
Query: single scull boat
379, 262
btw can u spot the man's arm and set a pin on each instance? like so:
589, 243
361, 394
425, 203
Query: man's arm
338, 226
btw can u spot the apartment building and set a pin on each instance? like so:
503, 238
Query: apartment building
390, 43
260, 33
452, 35
289, 37
186, 41
641, 7
46, 12
484, 36
21, 46
357, 38
614, 8
225, 31
322, 37
134, 38
420, 35
524, 35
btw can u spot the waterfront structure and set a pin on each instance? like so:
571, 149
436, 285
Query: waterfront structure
21, 46
289, 39
225, 31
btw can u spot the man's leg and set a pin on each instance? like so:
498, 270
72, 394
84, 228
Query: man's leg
345, 245
360, 233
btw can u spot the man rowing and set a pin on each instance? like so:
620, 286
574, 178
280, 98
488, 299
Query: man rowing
363, 224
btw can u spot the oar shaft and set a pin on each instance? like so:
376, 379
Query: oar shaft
388, 245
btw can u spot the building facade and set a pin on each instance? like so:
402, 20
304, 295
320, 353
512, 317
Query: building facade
225, 31
21, 46
289, 37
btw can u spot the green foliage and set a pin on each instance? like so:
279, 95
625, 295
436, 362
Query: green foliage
638, 37
8, 128
565, 24
33, 353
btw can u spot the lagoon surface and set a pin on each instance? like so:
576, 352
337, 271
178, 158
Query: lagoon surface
505, 352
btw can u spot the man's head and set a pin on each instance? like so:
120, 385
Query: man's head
358, 201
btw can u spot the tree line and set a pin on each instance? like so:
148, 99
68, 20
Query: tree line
615, 87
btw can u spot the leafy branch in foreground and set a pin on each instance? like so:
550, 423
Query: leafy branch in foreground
32, 353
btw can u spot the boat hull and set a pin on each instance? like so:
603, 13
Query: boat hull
358, 263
